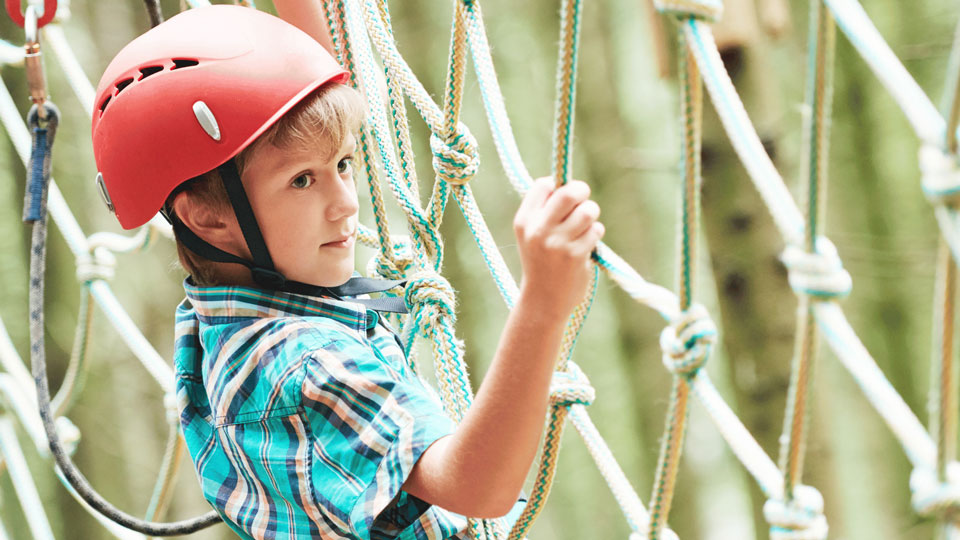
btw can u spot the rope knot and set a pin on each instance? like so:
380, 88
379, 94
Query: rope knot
100, 264
571, 387
665, 534
707, 10
800, 518
172, 408
429, 289
819, 274
455, 158
395, 267
933, 497
941, 175
687, 342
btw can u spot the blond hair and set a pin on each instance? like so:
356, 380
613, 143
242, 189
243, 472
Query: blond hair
327, 115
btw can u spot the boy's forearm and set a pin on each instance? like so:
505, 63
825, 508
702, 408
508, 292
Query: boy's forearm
480, 469
308, 16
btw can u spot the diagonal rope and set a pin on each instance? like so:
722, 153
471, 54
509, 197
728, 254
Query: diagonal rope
920, 448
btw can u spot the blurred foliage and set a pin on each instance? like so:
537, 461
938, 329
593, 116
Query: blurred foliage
627, 142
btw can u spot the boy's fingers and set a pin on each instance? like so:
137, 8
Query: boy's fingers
581, 218
564, 199
587, 241
538, 193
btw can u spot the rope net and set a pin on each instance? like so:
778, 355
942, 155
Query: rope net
363, 39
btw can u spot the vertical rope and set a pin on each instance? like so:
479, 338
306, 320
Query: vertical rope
946, 428
333, 10
36, 214
153, 11
943, 387
671, 447
75, 375
169, 466
817, 130
561, 164
452, 99
943, 398
950, 108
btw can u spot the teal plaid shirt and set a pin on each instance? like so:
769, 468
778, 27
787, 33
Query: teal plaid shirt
303, 418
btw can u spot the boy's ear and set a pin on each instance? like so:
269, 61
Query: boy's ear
219, 229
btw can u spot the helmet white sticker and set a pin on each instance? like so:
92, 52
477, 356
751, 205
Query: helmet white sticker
207, 121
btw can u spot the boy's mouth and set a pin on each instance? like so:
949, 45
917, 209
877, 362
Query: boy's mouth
342, 242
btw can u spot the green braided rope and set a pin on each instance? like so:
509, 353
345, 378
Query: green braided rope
76, 372
691, 97
819, 90
556, 421
561, 163
333, 11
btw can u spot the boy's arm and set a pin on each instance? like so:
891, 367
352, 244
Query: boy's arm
308, 16
479, 470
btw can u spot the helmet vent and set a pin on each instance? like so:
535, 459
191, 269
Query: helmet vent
184, 62
103, 105
148, 71
123, 84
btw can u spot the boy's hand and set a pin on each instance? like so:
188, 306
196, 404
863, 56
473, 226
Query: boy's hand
493, 447
556, 230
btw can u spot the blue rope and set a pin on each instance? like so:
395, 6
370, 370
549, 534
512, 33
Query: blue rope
32, 208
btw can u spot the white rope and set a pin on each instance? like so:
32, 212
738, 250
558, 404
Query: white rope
659, 298
741, 442
131, 335
626, 497
100, 265
23, 483
77, 241
800, 518
21, 401
11, 54
949, 222
12, 363
940, 175
708, 10
931, 496
916, 442
78, 80
819, 274
863, 35
743, 136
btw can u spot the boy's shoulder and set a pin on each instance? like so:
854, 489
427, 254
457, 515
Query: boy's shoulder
226, 332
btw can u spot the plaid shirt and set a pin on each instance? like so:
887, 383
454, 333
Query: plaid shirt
303, 418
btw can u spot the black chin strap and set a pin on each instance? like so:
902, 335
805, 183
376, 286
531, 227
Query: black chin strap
262, 269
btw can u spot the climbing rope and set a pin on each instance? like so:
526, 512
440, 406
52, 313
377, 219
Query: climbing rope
687, 342
362, 27
35, 210
815, 274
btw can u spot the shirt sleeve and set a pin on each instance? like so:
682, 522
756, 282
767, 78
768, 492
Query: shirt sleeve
371, 419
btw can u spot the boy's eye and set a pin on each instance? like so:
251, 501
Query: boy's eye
344, 165
302, 181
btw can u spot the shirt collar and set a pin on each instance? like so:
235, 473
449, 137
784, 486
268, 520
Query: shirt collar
227, 304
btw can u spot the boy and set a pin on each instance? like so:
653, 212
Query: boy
297, 406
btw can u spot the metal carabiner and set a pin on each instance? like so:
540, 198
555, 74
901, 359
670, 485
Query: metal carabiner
49, 11
33, 61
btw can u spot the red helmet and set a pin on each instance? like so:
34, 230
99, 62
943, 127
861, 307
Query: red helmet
190, 94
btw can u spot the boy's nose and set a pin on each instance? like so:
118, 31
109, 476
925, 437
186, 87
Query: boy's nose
343, 202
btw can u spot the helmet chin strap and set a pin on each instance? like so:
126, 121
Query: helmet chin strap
262, 268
